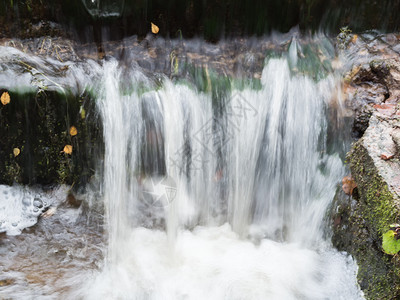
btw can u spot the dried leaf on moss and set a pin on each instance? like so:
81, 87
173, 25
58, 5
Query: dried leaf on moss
68, 149
5, 98
73, 131
16, 152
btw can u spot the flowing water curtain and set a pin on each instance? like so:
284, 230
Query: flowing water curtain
122, 125
289, 194
269, 140
185, 112
246, 114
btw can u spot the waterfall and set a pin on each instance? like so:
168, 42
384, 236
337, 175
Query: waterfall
216, 190
257, 157
226, 188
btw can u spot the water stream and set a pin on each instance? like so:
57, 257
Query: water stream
220, 193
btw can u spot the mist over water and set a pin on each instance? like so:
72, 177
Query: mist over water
217, 193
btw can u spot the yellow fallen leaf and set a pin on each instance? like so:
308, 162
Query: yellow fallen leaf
154, 28
16, 152
67, 149
5, 98
73, 131
354, 39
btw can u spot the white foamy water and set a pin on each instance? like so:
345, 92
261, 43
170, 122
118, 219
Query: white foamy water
20, 207
248, 181
253, 183
214, 263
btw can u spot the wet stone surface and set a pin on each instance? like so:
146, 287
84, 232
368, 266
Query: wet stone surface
372, 91
20, 208
174, 58
46, 260
378, 140
373, 82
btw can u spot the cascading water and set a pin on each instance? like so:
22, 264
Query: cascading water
251, 183
217, 194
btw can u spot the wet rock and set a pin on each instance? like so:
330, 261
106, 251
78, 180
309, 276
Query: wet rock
373, 89
361, 120
373, 83
396, 138
388, 109
375, 167
73, 201
7, 281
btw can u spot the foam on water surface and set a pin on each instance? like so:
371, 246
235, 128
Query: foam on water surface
20, 208
214, 263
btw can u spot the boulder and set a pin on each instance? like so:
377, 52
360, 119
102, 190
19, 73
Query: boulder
361, 218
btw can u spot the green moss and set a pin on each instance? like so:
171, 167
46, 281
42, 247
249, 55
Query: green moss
380, 209
38, 124
375, 211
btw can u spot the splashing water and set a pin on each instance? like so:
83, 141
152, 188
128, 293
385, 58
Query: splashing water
253, 183
20, 208
217, 194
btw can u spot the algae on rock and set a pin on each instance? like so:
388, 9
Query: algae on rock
360, 224
38, 124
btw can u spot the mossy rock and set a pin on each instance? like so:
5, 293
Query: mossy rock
363, 224
379, 204
38, 125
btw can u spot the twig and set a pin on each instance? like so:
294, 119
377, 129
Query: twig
59, 58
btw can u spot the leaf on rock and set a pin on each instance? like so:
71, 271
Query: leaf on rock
16, 152
390, 244
73, 131
67, 149
5, 98
348, 185
154, 28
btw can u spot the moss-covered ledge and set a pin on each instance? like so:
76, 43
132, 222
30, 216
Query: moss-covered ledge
380, 205
38, 125
360, 221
